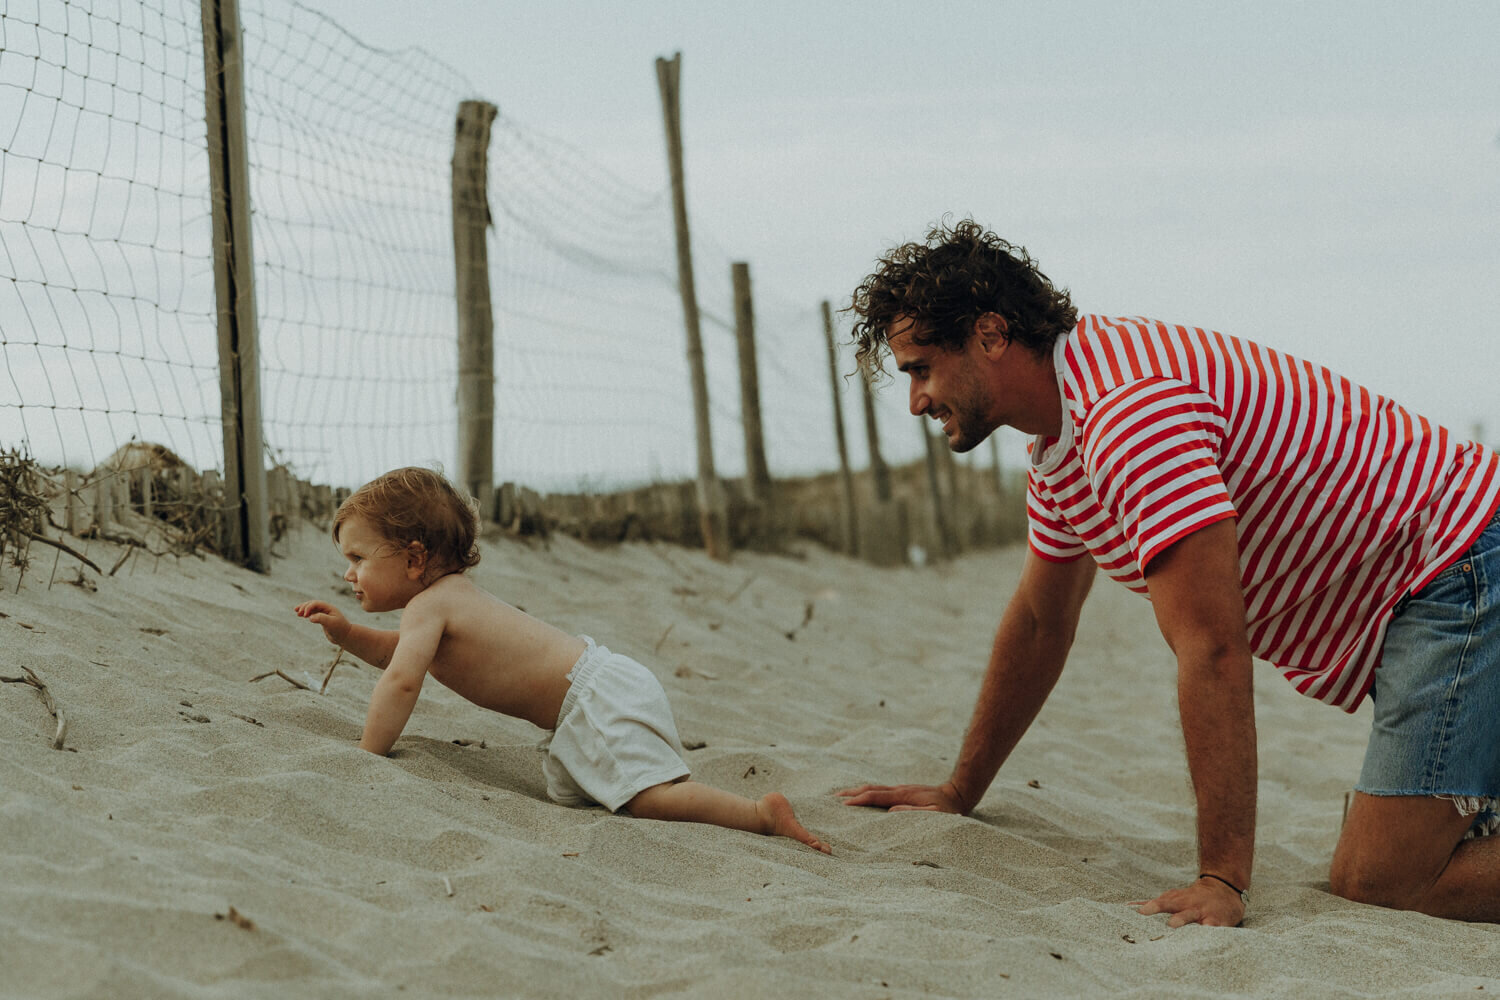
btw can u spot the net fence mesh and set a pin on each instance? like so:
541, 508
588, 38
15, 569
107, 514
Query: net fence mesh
107, 303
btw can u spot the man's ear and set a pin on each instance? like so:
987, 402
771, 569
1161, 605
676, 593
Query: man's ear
416, 560
993, 333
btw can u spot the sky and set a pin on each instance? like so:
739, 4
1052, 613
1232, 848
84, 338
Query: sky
1321, 177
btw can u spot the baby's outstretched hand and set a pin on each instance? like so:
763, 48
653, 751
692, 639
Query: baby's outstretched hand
335, 625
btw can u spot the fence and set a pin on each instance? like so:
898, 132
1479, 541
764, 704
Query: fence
110, 324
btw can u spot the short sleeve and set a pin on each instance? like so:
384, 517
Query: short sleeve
1048, 535
1151, 449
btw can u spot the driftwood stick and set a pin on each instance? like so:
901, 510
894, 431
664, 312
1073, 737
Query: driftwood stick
66, 548
329, 672
129, 551
278, 673
33, 680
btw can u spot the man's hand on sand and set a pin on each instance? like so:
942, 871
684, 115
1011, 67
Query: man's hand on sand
896, 798
1207, 901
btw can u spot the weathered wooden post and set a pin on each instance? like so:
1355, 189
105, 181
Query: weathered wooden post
71, 520
247, 538
883, 528
476, 322
948, 463
104, 499
757, 473
846, 479
995, 463
946, 547
878, 468
712, 516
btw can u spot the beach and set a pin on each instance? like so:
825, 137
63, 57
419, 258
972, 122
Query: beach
204, 833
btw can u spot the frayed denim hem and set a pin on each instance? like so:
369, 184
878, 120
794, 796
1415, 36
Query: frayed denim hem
1485, 810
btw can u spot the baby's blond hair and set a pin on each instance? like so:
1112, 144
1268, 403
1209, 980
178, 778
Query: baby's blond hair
418, 505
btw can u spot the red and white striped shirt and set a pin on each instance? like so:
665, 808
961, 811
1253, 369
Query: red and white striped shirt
1345, 501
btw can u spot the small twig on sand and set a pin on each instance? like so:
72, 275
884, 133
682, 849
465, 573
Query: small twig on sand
278, 673
663, 638
807, 616
741, 588
129, 551
34, 681
329, 672
237, 918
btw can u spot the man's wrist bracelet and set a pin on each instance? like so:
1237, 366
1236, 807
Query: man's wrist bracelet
1244, 894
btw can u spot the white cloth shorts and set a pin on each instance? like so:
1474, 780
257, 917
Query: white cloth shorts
615, 736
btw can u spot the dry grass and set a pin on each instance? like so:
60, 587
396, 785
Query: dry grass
23, 506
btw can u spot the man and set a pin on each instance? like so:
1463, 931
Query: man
1266, 507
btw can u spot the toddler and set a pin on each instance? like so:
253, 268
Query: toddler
409, 536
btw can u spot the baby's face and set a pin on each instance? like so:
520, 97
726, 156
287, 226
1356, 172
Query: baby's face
382, 572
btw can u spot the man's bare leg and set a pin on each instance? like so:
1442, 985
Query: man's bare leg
1407, 852
694, 802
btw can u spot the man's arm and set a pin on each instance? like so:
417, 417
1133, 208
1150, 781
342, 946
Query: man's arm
1200, 607
1030, 648
395, 694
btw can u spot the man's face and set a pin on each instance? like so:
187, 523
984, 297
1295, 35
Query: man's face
947, 386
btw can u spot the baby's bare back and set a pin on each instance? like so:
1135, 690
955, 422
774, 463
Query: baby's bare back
498, 656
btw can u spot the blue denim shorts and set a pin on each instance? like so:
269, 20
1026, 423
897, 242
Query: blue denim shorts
1437, 689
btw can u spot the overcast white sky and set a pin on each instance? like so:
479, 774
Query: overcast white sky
1324, 177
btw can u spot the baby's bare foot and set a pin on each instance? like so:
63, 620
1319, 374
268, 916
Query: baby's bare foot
779, 820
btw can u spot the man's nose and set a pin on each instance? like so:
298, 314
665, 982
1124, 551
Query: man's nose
918, 400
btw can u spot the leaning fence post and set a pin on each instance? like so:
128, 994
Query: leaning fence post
882, 525
757, 473
234, 284
846, 478
947, 546
476, 322
712, 515
881, 471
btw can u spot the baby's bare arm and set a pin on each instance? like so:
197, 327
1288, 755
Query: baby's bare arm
395, 694
373, 645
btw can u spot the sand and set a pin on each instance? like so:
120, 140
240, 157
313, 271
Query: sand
205, 835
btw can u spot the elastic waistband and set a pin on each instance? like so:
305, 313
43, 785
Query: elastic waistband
577, 677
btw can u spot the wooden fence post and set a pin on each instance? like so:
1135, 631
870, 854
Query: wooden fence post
476, 323
104, 500
712, 515
883, 527
71, 520
851, 525
757, 473
881, 471
234, 283
945, 537
948, 464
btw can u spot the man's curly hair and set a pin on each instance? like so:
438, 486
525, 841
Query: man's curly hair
946, 283
418, 505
